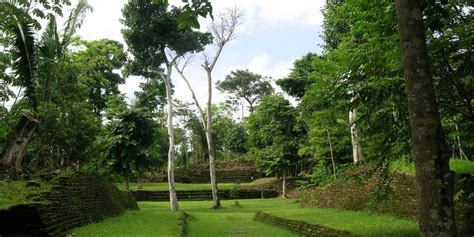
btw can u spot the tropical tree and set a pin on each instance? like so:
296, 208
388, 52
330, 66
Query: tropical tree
223, 31
97, 63
37, 66
129, 145
299, 80
236, 139
243, 84
223, 123
434, 179
155, 39
450, 51
272, 133
325, 119
152, 97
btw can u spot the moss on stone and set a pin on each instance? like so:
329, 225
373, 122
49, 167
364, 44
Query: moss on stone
74, 200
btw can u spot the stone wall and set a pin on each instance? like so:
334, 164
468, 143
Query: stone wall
300, 227
464, 208
202, 176
198, 195
403, 202
74, 200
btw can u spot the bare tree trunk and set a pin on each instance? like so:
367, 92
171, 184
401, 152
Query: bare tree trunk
127, 183
242, 107
223, 31
210, 145
356, 149
462, 155
429, 150
171, 166
284, 184
18, 140
139, 183
332, 155
207, 124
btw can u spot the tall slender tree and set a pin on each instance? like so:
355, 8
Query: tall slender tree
223, 30
156, 40
272, 133
35, 66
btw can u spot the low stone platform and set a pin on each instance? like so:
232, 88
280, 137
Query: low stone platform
300, 227
201, 195
198, 176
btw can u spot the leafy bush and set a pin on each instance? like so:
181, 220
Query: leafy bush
234, 191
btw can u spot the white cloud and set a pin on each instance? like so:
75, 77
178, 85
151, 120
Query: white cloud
262, 64
104, 21
277, 11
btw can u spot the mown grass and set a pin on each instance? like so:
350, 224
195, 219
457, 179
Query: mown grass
234, 218
155, 219
456, 165
180, 186
359, 223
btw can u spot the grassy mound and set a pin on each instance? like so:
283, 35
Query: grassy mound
21, 191
400, 199
358, 195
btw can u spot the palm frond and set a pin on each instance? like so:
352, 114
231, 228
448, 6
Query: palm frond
23, 50
50, 43
75, 20
8, 9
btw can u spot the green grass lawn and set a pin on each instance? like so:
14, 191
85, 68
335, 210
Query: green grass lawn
456, 165
358, 223
155, 219
181, 186
204, 221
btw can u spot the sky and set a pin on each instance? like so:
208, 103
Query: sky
273, 34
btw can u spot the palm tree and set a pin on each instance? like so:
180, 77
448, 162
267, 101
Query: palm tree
34, 68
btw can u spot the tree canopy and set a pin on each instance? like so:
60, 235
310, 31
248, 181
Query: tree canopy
243, 84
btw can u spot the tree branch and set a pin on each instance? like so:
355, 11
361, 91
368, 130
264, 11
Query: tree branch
201, 113
223, 31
